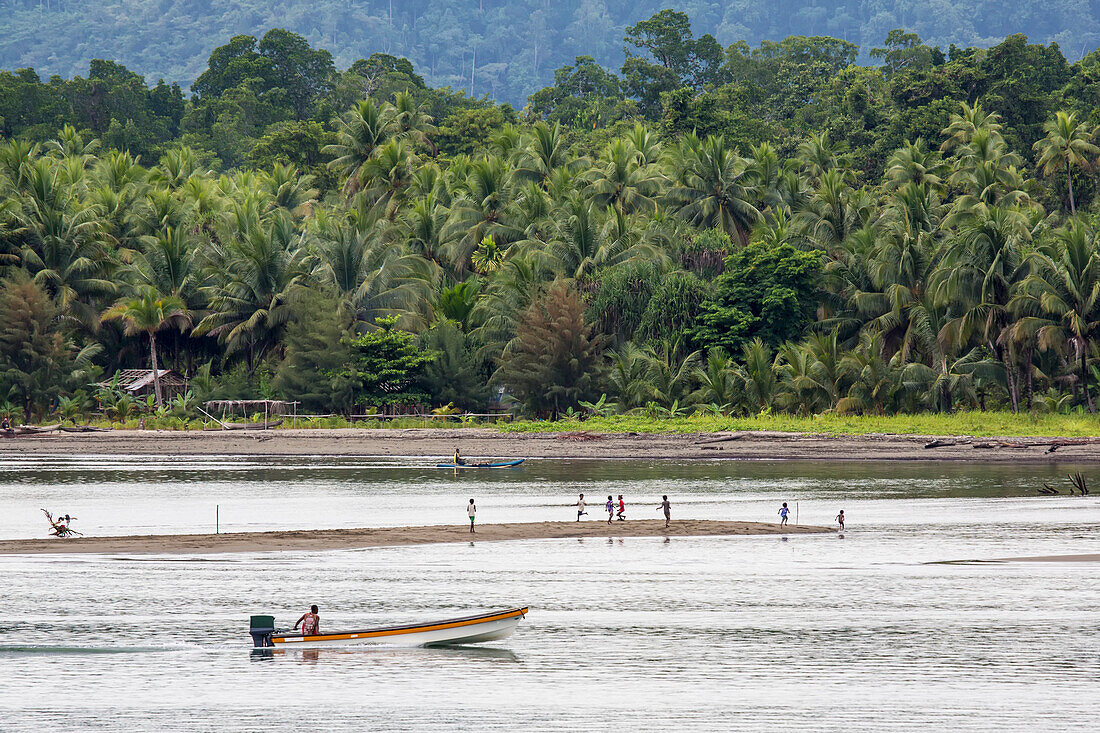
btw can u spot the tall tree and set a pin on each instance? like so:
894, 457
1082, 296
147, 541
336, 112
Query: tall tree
149, 313
1067, 145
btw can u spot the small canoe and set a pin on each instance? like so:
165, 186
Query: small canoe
502, 464
467, 630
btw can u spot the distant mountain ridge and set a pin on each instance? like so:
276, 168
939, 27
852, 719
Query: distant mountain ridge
505, 48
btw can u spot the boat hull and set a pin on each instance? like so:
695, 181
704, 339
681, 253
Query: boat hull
468, 630
502, 464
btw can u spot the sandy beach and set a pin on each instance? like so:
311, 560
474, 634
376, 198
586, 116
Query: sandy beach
1083, 557
488, 442
344, 539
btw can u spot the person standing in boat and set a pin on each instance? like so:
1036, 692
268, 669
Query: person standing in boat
667, 507
471, 512
311, 622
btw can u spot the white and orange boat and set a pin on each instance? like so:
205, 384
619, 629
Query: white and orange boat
466, 630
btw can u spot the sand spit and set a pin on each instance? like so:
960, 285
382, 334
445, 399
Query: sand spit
343, 539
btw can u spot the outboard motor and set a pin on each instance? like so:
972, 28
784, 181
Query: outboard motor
261, 628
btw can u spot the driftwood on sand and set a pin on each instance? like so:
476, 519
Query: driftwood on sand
27, 430
58, 528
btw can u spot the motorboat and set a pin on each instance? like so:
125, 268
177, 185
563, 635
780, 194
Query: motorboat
466, 630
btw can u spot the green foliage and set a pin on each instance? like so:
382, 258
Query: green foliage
457, 375
384, 364
557, 360
468, 131
317, 352
36, 361
840, 238
765, 292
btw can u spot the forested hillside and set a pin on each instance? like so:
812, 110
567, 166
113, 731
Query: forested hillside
731, 230
504, 48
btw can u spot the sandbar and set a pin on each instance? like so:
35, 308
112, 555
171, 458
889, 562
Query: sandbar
345, 539
441, 442
1083, 557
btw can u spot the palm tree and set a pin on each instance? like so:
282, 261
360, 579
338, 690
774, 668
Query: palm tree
421, 227
412, 122
386, 177
64, 246
1063, 291
710, 188
819, 155
373, 277
619, 178
487, 207
758, 376
833, 212
545, 150
1068, 145
148, 313
718, 381
252, 278
364, 128
628, 377
586, 241
914, 163
964, 125
288, 190
979, 270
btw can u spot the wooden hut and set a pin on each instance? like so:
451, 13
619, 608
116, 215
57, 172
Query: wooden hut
139, 383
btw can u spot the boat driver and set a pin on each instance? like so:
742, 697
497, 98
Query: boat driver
311, 622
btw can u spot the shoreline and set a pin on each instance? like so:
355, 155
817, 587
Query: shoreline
349, 539
486, 442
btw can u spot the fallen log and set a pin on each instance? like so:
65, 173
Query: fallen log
723, 439
940, 444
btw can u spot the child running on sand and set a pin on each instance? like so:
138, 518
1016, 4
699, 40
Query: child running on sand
622, 509
840, 519
668, 509
471, 512
784, 512
580, 508
610, 509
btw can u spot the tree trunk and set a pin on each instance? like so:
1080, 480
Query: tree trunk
1085, 381
1069, 182
1030, 373
156, 370
1013, 392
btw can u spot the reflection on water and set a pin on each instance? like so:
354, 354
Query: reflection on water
871, 631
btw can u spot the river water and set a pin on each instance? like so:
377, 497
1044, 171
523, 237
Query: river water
870, 631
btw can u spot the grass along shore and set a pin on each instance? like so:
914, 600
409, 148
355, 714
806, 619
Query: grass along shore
976, 424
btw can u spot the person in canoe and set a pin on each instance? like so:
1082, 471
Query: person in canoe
458, 459
310, 621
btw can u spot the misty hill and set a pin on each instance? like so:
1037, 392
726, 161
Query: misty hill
504, 48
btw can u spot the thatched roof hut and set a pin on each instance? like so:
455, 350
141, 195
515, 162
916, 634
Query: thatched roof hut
139, 383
